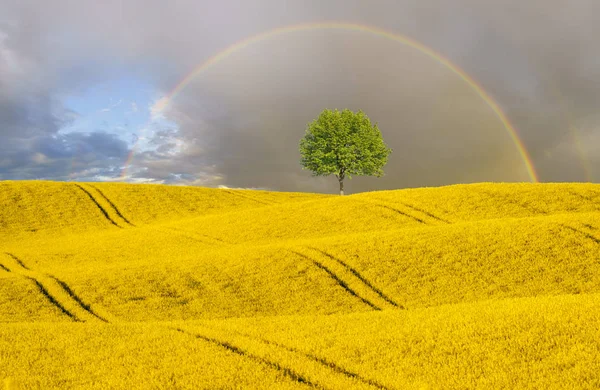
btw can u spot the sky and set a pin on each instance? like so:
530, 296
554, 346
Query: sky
86, 90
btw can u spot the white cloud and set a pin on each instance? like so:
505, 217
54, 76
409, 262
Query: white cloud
128, 179
157, 108
224, 187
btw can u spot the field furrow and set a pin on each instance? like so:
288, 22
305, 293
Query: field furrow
288, 372
585, 234
102, 209
341, 282
593, 199
590, 227
237, 193
326, 364
18, 261
299, 366
425, 212
52, 300
361, 278
112, 205
77, 299
55, 290
395, 210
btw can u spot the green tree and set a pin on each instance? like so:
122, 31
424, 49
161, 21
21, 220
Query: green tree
343, 143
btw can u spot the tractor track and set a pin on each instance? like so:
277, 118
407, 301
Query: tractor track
290, 373
249, 198
590, 236
112, 205
53, 300
360, 277
425, 212
385, 206
57, 292
18, 261
74, 296
104, 212
323, 362
338, 280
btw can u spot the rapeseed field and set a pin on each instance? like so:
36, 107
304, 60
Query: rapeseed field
111, 285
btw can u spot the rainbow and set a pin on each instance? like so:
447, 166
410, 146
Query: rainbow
129, 160
215, 59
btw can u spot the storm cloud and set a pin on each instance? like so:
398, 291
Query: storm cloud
239, 122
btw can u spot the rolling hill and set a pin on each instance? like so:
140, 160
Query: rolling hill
110, 285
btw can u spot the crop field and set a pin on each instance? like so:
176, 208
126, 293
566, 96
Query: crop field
122, 286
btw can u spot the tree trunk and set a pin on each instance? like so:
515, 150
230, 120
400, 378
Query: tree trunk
341, 186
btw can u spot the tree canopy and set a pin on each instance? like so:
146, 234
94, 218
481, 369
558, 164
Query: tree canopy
343, 143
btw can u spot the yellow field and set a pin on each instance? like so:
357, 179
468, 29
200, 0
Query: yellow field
149, 286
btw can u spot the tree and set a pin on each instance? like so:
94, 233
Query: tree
343, 143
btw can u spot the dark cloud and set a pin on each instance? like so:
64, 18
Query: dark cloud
64, 157
239, 123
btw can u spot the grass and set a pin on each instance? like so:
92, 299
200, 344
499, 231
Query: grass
467, 286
